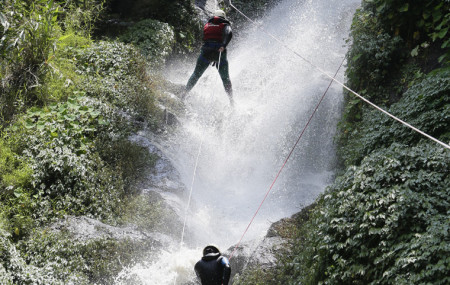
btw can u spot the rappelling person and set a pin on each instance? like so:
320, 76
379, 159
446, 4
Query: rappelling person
216, 36
213, 268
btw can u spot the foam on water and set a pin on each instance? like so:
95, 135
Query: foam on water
174, 266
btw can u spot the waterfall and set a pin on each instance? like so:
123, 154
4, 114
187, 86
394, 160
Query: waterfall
244, 147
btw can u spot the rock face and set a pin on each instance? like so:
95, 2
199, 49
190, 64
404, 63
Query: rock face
262, 254
84, 228
162, 187
248, 256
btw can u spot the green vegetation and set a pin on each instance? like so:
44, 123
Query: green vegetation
154, 38
385, 220
68, 103
394, 45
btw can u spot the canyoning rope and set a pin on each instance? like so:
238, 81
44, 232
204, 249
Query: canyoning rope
190, 191
342, 84
286, 160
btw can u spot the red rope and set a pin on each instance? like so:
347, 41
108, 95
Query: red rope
286, 160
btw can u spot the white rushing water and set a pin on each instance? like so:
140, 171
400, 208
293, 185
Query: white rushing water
243, 148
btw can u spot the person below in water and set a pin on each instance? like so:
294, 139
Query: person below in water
216, 36
213, 268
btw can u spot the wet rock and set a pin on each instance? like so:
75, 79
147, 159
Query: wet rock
248, 255
262, 254
164, 177
84, 228
169, 118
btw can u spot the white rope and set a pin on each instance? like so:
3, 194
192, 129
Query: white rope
190, 192
343, 85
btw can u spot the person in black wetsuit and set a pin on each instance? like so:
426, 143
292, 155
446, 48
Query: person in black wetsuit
217, 34
213, 268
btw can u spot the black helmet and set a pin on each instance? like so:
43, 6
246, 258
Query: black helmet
210, 249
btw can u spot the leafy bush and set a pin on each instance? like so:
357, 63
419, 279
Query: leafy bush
80, 261
180, 15
375, 55
385, 219
384, 222
68, 177
393, 43
15, 270
155, 39
63, 150
146, 214
28, 37
14, 172
115, 72
132, 161
418, 23
255, 276
62, 78
81, 16
425, 105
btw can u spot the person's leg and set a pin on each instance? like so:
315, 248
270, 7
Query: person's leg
225, 75
201, 66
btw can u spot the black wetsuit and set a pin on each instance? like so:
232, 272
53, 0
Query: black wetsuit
213, 269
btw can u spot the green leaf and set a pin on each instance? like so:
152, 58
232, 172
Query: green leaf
356, 57
404, 8
101, 121
95, 114
442, 33
29, 124
4, 21
69, 117
415, 51
40, 126
437, 15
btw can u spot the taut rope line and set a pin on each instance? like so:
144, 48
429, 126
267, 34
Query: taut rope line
286, 160
343, 85
190, 192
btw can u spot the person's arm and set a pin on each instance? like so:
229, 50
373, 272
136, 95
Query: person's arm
227, 35
226, 270
197, 269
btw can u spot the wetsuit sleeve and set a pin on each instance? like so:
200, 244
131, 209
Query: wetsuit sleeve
227, 35
197, 269
226, 270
